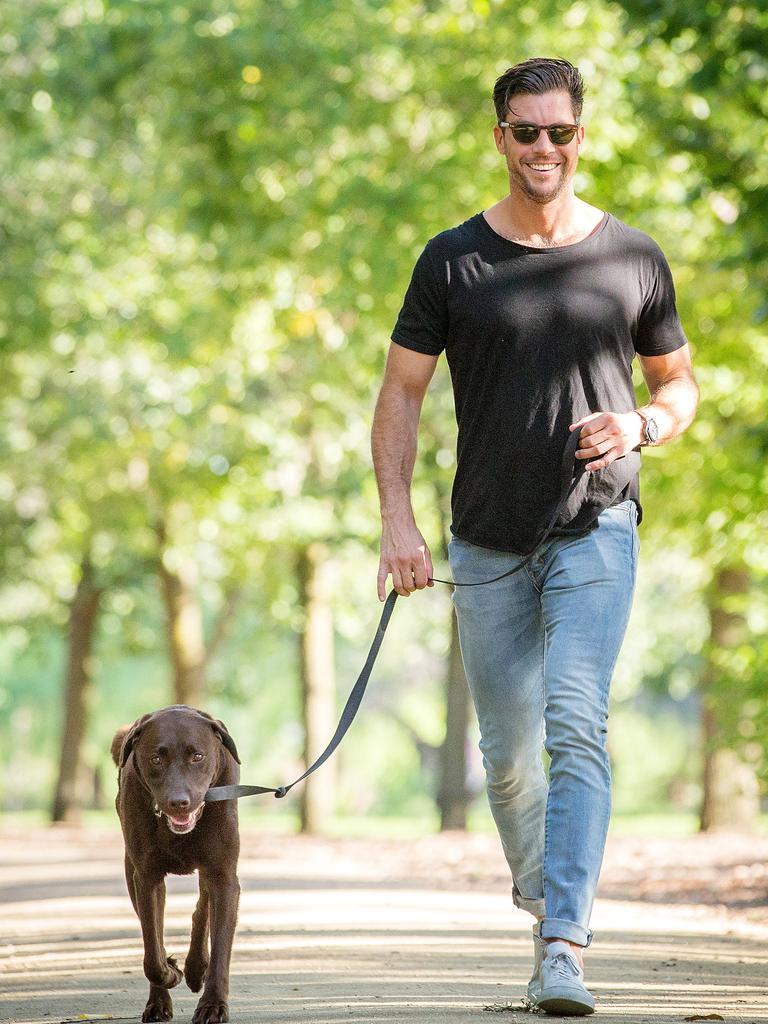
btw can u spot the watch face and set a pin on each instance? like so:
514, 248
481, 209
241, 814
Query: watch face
652, 431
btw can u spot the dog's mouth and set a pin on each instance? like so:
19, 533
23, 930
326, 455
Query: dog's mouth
181, 823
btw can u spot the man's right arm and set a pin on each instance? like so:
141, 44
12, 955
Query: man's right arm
404, 552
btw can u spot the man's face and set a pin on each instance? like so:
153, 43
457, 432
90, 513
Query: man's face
542, 171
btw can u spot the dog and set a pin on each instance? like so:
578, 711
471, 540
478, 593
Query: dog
167, 761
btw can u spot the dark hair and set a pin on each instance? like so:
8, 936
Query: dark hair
536, 76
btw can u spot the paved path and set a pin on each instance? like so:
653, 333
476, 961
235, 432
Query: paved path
341, 931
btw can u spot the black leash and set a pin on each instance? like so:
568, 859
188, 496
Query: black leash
347, 715
569, 477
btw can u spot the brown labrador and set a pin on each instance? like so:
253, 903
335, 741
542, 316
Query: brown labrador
167, 761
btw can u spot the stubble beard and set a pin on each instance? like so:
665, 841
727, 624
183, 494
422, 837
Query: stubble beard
542, 198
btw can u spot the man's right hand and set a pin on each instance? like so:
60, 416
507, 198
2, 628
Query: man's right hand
405, 556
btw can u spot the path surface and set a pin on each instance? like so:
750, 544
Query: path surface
421, 931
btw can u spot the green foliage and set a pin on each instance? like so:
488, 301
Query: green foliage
210, 215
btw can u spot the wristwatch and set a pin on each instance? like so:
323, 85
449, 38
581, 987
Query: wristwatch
650, 429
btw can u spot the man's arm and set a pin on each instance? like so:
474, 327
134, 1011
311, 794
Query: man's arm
674, 398
404, 552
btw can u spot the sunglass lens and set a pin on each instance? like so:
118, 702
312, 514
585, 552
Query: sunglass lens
561, 134
525, 134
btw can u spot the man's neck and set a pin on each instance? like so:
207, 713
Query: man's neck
563, 221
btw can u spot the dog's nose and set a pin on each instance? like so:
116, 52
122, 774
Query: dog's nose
180, 803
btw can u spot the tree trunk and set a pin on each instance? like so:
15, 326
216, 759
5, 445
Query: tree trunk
453, 797
731, 793
318, 677
184, 626
82, 622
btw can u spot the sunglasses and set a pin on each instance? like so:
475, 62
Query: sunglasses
526, 134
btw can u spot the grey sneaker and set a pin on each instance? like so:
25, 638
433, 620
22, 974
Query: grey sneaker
539, 952
562, 984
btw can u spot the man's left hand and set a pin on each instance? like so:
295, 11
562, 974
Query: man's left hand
609, 435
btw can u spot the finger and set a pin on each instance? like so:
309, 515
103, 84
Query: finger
601, 463
596, 444
381, 582
596, 429
430, 570
400, 580
585, 419
406, 576
420, 573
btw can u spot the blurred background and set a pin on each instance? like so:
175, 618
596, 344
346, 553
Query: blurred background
210, 212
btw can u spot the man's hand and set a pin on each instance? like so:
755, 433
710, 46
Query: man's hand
609, 435
404, 554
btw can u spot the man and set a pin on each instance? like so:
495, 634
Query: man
541, 303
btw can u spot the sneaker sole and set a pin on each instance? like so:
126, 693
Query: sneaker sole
565, 1005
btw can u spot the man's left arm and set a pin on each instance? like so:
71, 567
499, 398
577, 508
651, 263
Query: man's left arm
674, 398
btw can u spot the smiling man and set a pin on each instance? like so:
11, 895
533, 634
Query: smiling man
541, 303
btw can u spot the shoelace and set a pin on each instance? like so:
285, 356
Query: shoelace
566, 966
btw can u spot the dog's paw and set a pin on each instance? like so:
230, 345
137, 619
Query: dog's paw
159, 1005
211, 1011
194, 972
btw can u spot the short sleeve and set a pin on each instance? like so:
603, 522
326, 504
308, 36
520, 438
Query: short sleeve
659, 329
422, 324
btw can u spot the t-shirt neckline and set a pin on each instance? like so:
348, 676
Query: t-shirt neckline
540, 249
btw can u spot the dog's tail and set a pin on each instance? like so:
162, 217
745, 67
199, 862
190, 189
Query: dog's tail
117, 742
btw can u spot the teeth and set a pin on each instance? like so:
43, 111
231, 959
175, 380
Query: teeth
543, 167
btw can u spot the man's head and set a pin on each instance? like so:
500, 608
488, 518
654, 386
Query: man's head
539, 92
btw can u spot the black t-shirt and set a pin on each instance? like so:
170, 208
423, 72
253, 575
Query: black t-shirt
535, 340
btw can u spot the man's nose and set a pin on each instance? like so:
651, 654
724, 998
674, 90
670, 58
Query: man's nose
542, 143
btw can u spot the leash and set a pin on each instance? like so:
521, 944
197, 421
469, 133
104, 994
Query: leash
569, 477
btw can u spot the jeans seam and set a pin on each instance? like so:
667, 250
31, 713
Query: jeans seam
546, 807
532, 578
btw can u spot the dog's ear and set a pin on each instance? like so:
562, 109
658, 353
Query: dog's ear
117, 743
223, 733
131, 736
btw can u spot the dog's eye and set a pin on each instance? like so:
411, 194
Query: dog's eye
198, 756
155, 759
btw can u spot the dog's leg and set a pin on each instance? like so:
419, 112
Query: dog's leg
196, 963
160, 970
224, 893
129, 881
159, 1005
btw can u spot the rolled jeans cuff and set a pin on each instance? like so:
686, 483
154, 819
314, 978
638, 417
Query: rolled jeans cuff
534, 905
554, 928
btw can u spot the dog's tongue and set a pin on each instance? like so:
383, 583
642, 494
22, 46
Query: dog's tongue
182, 820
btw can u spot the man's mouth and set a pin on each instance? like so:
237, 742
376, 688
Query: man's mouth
182, 823
543, 166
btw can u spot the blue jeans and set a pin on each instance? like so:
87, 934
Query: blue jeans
539, 650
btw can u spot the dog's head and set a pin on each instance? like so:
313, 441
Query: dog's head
178, 753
